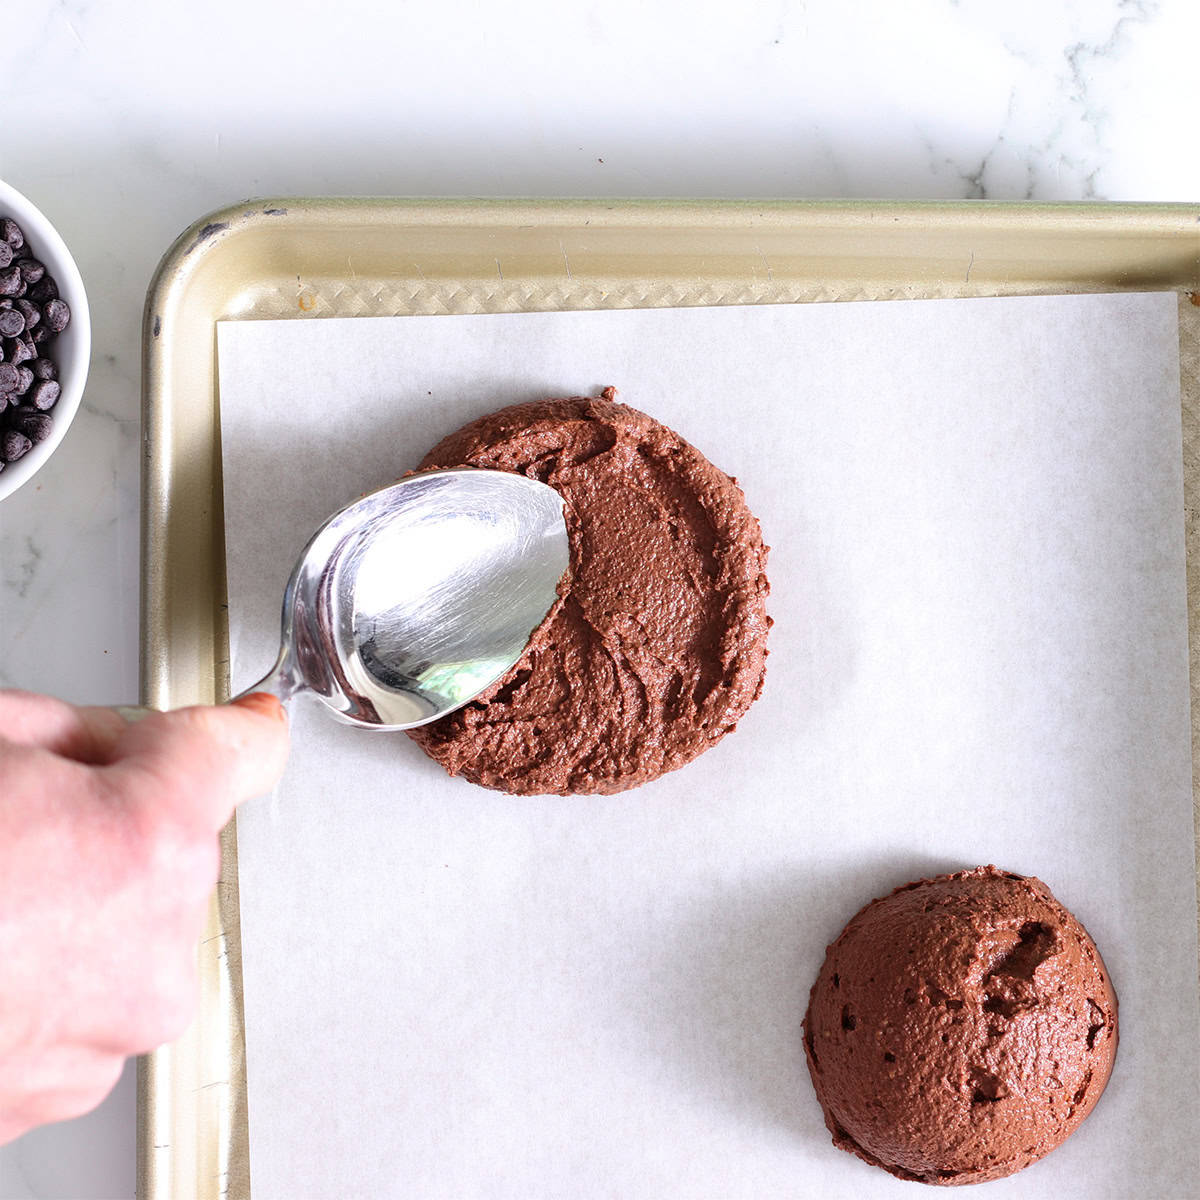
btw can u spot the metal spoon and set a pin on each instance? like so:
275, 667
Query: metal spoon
409, 602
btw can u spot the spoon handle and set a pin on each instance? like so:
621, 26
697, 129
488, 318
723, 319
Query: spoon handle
279, 681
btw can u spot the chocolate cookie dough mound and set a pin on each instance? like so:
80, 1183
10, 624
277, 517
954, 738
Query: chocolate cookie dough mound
657, 645
960, 1028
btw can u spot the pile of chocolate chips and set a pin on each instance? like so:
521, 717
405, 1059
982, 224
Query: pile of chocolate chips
31, 316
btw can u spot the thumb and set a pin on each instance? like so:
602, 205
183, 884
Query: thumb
200, 763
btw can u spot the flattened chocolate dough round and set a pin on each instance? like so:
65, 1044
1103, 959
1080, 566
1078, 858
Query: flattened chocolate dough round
960, 1028
657, 645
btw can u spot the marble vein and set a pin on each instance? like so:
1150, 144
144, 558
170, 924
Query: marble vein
20, 573
1052, 142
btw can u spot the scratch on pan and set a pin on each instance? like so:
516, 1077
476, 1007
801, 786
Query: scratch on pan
275, 212
157, 324
498, 271
305, 300
566, 262
207, 232
969, 266
766, 263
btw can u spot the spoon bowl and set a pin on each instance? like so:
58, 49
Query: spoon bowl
409, 602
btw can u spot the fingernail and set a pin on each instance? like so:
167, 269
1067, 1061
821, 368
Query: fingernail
262, 703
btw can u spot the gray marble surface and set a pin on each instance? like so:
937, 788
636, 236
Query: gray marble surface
127, 120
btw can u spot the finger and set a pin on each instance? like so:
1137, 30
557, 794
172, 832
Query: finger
198, 764
78, 1081
86, 735
153, 1000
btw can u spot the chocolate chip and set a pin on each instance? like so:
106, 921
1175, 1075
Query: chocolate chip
20, 349
24, 380
44, 368
36, 426
12, 322
6, 254
44, 289
31, 269
14, 445
57, 315
11, 283
44, 394
30, 312
10, 232
41, 334
8, 377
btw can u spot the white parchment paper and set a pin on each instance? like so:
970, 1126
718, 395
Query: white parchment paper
980, 655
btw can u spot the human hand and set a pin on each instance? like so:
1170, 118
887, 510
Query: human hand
108, 854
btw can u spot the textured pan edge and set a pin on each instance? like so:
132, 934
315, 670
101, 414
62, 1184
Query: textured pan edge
191, 1095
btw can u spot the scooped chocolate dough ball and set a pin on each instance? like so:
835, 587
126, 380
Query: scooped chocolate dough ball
960, 1028
658, 643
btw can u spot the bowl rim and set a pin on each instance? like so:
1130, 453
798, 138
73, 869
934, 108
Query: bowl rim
53, 251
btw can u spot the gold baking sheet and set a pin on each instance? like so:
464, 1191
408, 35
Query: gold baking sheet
309, 258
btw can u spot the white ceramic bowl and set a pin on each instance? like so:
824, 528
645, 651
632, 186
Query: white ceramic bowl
71, 350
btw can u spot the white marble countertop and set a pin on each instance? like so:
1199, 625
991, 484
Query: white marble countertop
125, 121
